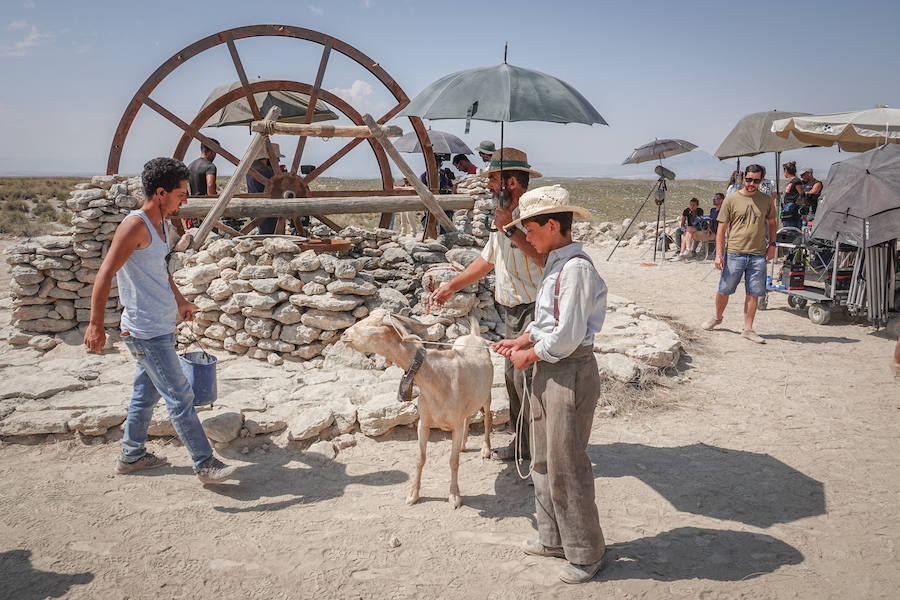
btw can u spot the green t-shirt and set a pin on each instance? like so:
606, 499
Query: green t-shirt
747, 218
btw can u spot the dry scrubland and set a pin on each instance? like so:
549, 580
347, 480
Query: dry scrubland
35, 205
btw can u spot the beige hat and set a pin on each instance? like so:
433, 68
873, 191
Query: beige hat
513, 160
547, 200
264, 154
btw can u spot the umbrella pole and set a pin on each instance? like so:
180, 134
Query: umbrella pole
778, 182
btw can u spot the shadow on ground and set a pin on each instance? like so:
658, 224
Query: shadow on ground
19, 580
735, 485
697, 553
271, 477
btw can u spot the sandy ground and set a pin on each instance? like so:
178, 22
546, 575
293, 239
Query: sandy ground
771, 473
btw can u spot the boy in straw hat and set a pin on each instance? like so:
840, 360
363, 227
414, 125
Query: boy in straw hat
517, 268
569, 310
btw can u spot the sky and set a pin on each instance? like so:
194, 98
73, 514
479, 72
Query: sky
686, 70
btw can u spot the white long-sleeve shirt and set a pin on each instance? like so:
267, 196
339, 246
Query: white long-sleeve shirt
582, 305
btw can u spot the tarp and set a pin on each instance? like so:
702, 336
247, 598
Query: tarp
861, 198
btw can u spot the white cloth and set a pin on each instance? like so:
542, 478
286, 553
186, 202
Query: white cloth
582, 305
516, 277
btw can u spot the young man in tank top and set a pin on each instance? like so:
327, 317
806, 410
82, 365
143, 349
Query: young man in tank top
152, 303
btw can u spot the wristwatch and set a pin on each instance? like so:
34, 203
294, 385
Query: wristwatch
509, 232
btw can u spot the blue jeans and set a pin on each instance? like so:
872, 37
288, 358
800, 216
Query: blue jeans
752, 266
158, 374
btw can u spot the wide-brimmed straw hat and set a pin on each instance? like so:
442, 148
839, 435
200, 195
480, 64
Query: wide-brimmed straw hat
262, 153
513, 160
486, 147
547, 200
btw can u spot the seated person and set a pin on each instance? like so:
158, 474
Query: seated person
464, 165
688, 227
708, 225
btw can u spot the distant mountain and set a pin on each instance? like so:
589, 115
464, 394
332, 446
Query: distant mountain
696, 164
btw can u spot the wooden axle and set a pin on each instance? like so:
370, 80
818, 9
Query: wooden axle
321, 130
294, 207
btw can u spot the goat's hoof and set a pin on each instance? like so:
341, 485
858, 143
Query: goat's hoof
412, 498
455, 500
485, 452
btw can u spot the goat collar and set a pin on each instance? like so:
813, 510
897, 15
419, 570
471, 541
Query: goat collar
405, 392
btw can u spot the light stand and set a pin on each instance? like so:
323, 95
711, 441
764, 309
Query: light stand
659, 190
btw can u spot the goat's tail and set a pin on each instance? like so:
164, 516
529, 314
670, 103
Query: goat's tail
474, 327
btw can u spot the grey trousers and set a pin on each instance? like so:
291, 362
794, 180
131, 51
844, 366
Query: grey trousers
516, 319
562, 405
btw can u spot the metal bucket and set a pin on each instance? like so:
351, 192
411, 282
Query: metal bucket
200, 370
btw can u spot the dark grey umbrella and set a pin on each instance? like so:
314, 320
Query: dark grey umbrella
441, 142
658, 150
502, 93
861, 198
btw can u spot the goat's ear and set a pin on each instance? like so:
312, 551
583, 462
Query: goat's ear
394, 322
409, 323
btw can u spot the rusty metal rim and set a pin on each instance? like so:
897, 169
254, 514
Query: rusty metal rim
227, 37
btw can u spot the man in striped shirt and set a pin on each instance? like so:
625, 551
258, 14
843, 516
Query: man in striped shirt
517, 270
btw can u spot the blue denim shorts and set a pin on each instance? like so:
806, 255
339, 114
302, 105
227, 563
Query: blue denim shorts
753, 265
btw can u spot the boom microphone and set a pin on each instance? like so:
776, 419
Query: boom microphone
664, 172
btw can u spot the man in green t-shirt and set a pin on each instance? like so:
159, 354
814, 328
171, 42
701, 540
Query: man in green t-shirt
745, 217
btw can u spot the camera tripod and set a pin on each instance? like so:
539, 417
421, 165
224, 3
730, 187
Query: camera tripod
659, 190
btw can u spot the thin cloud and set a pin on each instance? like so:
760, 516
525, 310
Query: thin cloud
32, 39
81, 48
361, 96
30, 4
316, 10
367, 3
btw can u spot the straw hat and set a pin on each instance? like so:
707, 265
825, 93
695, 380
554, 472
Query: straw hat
513, 160
263, 154
486, 147
547, 200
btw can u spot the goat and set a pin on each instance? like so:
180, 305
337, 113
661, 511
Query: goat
453, 384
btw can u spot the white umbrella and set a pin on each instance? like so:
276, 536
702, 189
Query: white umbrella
856, 131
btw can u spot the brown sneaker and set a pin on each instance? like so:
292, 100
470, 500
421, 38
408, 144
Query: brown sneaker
572, 573
213, 470
536, 548
147, 461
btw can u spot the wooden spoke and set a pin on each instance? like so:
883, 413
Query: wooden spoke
279, 228
251, 225
223, 228
311, 109
333, 159
298, 225
242, 75
195, 133
334, 226
390, 114
358, 193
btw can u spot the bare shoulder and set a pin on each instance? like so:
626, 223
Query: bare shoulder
133, 232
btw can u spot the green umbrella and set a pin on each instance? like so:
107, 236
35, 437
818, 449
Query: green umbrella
502, 93
293, 107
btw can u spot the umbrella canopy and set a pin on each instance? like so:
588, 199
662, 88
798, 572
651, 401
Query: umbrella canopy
753, 135
852, 131
658, 150
293, 107
502, 93
441, 142
864, 187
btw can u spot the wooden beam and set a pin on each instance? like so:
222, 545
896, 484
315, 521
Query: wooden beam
260, 208
320, 130
217, 210
427, 198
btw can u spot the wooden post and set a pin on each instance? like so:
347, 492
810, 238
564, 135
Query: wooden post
326, 131
425, 194
236, 178
261, 208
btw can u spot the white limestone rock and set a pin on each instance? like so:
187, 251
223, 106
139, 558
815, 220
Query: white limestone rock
384, 412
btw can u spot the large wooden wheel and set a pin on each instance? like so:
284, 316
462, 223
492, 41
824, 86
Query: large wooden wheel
292, 180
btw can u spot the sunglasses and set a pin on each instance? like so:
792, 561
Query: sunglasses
752, 179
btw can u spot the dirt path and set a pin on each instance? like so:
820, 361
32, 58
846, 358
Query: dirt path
772, 474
